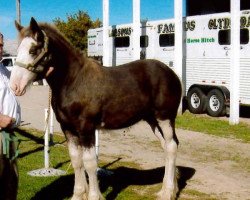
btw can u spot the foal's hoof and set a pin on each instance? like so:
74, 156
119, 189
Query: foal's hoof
79, 197
76, 198
168, 194
96, 197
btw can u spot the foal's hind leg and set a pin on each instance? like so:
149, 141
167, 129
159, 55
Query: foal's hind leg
167, 137
75, 152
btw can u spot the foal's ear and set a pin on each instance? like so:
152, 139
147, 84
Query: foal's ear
34, 27
18, 26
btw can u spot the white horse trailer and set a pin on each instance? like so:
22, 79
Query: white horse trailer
206, 48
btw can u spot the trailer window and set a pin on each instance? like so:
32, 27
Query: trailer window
122, 42
224, 37
244, 36
166, 40
144, 41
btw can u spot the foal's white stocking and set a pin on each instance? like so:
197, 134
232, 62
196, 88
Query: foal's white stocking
81, 186
90, 164
169, 185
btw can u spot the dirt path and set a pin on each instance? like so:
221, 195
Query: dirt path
221, 166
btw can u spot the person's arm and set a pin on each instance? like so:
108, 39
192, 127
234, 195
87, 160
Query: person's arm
6, 121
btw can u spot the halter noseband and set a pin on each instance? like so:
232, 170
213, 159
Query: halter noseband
43, 57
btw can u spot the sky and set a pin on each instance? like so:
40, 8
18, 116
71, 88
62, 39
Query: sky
48, 10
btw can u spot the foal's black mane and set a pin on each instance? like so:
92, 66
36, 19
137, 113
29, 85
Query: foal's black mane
67, 59
61, 41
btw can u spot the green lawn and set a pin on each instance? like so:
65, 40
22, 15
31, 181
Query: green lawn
213, 126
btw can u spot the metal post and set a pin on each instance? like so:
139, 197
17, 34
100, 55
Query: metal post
235, 62
18, 11
136, 29
51, 126
106, 52
47, 171
178, 52
97, 143
46, 142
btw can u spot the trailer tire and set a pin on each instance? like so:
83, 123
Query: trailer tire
216, 103
196, 100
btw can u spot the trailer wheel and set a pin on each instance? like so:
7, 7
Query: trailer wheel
196, 101
215, 103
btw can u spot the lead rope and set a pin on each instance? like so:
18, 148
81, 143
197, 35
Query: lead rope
6, 140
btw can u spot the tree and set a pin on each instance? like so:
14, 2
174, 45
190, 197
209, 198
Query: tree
75, 28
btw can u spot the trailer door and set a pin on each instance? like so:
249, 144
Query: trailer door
244, 66
164, 42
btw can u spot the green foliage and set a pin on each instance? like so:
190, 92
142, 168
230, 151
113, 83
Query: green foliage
75, 28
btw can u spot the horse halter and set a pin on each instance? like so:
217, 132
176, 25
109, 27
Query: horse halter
43, 58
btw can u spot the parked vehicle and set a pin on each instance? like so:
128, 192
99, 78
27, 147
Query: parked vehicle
8, 62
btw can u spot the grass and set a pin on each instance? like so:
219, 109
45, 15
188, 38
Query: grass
31, 158
129, 180
213, 126
196, 195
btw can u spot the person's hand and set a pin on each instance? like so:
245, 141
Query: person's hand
6, 121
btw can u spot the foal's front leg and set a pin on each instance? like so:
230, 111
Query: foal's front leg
90, 164
75, 152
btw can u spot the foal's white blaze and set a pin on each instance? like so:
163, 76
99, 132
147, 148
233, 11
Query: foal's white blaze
21, 77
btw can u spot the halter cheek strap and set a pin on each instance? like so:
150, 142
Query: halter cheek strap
30, 67
43, 58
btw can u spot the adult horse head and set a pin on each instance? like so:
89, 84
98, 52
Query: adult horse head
87, 96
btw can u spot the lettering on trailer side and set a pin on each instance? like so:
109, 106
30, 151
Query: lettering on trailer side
170, 28
190, 25
225, 23
200, 40
166, 28
120, 32
221, 23
245, 22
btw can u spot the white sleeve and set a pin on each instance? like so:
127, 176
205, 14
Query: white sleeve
1, 97
8, 102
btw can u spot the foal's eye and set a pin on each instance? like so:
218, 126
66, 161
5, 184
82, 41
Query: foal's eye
33, 50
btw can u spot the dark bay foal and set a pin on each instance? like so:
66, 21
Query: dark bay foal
87, 96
